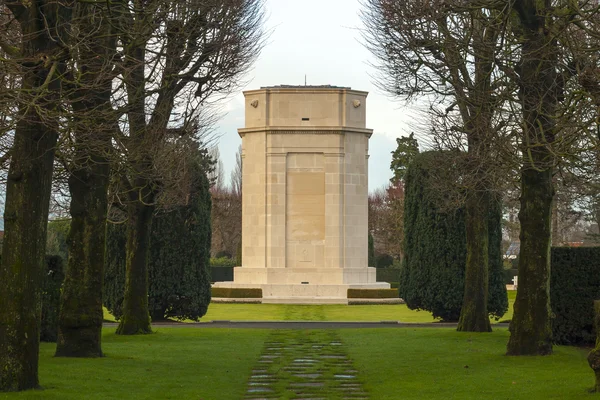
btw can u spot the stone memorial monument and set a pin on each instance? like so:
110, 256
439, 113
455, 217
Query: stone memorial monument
304, 195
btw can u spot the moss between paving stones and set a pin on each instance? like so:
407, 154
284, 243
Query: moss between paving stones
304, 364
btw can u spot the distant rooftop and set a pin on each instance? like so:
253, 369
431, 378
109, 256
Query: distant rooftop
306, 87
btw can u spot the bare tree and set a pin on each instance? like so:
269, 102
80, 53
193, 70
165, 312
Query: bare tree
176, 55
226, 215
86, 152
236, 174
386, 217
217, 175
41, 55
447, 50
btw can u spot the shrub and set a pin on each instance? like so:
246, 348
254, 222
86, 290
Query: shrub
51, 285
237, 293
574, 285
238, 255
372, 293
223, 254
383, 260
433, 268
56, 238
222, 262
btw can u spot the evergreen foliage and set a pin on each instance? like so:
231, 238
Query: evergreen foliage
371, 259
51, 284
432, 276
238, 255
179, 279
574, 285
56, 239
384, 261
406, 150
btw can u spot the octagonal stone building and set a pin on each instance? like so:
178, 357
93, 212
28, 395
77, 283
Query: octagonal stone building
304, 195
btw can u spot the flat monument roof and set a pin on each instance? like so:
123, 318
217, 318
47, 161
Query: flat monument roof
306, 87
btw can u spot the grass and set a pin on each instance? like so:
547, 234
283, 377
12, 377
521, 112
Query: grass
444, 364
412, 363
333, 312
170, 364
512, 295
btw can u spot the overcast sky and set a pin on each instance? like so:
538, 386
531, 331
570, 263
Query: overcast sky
319, 39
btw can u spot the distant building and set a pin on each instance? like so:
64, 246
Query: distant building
513, 251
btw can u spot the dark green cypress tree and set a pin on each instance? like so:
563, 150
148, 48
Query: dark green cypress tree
178, 275
433, 273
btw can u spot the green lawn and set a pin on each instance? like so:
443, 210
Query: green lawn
512, 295
411, 363
170, 364
333, 312
445, 364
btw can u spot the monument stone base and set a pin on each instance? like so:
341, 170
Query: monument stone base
293, 286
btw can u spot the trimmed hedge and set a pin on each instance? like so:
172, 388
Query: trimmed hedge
51, 285
221, 274
574, 285
509, 275
384, 261
223, 262
237, 293
372, 293
388, 275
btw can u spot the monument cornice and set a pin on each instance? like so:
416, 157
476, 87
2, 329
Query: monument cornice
318, 130
305, 90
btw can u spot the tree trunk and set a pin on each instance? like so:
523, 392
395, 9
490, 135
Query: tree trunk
81, 315
531, 329
474, 313
594, 356
28, 190
25, 223
136, 319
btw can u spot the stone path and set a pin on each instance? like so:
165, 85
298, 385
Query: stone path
304, 364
